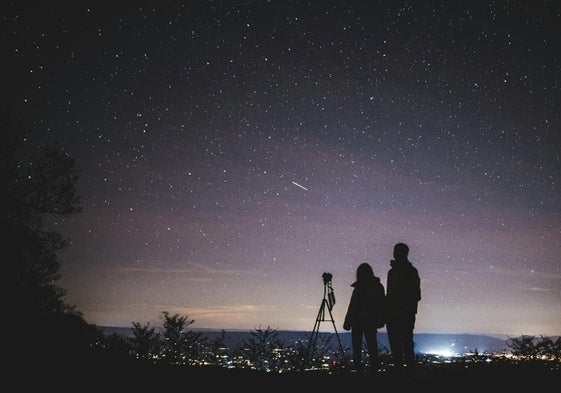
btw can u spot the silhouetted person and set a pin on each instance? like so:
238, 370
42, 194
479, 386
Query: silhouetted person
364, 315
403, 294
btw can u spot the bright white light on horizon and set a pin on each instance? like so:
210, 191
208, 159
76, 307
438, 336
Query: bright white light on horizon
444, 352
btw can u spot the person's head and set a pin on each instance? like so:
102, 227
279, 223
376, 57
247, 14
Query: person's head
364, 272
401, 251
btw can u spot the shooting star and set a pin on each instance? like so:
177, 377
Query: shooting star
299, 185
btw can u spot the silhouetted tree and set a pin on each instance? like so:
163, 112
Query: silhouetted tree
37, 183
556, 349
181, 346
261, 348
117, 344
524, 346
548, 349
146, 342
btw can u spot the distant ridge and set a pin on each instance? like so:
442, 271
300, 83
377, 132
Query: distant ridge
434, 343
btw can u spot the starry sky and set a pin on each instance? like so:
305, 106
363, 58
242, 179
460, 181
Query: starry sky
231, 152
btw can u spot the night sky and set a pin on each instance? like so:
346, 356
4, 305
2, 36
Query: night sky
231, 152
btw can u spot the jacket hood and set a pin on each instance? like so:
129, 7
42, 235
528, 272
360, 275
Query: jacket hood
374, 280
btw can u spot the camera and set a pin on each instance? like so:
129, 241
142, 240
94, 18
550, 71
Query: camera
327, 277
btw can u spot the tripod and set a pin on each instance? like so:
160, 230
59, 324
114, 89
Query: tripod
327, 301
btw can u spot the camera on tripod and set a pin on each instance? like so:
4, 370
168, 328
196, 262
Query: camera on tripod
327, 302
329, 295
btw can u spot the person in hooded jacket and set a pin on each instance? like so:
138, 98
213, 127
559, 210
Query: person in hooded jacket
403, 288
365, 314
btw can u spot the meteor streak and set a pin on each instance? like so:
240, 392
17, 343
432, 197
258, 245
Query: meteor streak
298, 185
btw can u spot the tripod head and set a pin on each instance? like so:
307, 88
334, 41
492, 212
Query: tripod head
327, 277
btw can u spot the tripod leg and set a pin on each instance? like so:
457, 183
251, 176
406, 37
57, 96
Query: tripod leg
315, 332
343, 357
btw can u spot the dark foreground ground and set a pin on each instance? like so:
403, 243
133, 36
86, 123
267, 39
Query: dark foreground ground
442, 379
113, 375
